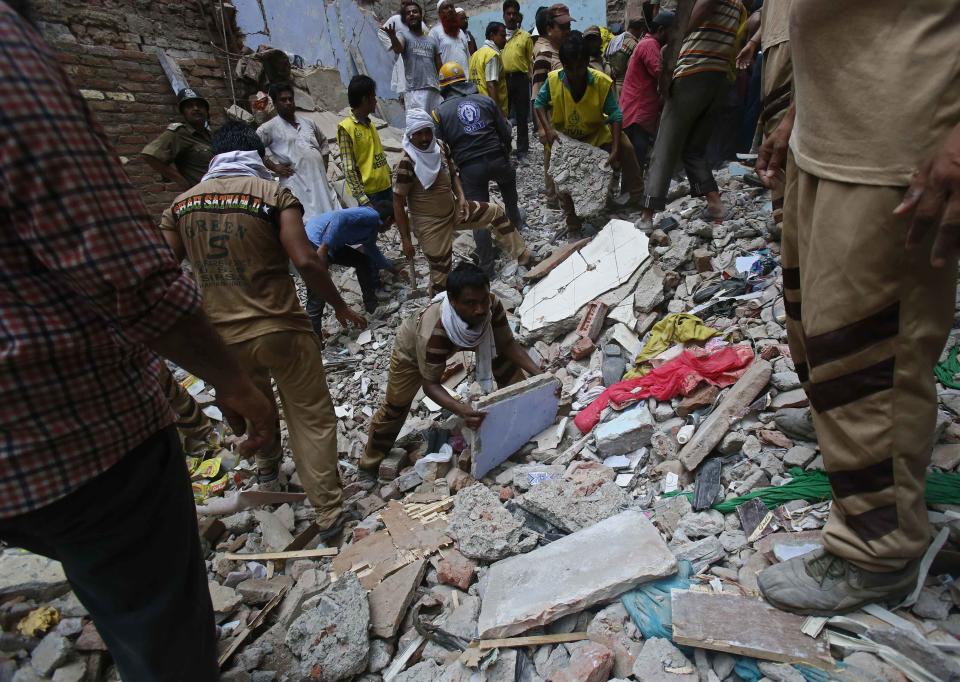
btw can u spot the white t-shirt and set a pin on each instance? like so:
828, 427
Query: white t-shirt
452, 49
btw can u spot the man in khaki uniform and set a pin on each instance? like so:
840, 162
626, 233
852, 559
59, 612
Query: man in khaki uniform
182, 152
465, 317
240, 229
871, 216
426, 181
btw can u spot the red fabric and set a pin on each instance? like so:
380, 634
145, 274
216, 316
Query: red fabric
638, 98
679, 376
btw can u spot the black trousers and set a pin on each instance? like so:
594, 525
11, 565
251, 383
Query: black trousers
642, 142
518, 96
351, 258
129, 546
475, 176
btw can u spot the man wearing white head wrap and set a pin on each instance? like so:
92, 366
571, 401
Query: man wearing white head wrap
426, 182
466, 317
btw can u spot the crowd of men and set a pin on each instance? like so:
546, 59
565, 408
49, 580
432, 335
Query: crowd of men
865, 182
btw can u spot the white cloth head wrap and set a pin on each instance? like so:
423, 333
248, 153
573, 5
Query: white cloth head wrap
237, 163
426, 163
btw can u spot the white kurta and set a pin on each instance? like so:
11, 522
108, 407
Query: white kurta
303, 147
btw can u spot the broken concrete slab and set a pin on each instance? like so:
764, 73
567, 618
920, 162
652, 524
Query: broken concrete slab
605, 263
583, 171
628, 432
570, 574
274, 531
32, 576
609, 628
514, 414
575, 503
330, 638
649, 294
660, 661
712, 431
483, 529
795, 398
745, 627
560, 254
390, 599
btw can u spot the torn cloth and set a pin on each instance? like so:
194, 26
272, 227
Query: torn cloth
679, 376
675, 328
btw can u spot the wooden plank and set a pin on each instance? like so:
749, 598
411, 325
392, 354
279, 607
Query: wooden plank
241, 636
408, 533
745, 627
400, 661
533, 640
376, 551
712, 431
554, 259
284, 556
390, 599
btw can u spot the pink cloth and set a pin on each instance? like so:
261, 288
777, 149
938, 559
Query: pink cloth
680, 376
638, 98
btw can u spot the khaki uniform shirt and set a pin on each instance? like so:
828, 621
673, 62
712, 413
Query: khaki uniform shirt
187, 148
230, 229
877, 86
774, 23
422, 340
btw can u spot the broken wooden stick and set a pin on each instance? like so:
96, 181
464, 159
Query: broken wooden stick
283, 556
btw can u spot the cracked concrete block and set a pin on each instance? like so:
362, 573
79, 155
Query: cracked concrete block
513, 415
582, 171
628, 432
575, 503
607, 262
32, 576
573, 573
483, 529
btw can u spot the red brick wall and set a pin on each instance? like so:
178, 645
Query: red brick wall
107, 48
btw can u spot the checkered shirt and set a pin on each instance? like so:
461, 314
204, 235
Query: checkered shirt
85, 281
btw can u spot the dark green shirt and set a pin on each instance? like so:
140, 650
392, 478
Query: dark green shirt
185, 147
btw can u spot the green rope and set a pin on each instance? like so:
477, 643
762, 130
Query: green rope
948, 369
814, 486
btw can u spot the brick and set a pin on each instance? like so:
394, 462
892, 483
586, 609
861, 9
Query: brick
456, 570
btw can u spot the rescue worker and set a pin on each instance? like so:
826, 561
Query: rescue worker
182, 152
464, 317
364, 162
486, 66
517, 56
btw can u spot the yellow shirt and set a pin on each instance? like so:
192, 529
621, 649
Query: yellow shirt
480, 72
584, 120
367, 159
518, 52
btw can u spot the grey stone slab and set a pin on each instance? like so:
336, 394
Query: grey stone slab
585, 568
628, 432
514, 415
31, 576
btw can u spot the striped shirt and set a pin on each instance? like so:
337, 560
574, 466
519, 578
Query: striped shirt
423, 340
545, 60
712, 46
405, 178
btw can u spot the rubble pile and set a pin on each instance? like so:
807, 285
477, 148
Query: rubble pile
614, 543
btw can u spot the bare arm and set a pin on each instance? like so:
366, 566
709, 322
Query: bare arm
311, 268
167, 170
438, 394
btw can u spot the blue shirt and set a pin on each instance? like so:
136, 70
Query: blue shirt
338, 229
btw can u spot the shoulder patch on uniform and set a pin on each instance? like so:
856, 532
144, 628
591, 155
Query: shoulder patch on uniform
175, 126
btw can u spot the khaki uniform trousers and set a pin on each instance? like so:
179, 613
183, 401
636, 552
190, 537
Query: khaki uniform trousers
776, 93
403, 382
295, 361
867, 320
196, 431
436, 238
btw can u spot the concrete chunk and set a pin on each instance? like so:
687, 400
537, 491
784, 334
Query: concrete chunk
712, 431
514, 415
573, 573
628, 432
32, 576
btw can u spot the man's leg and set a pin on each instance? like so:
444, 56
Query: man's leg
491, 217
196, 431
403, 382
714, 88
867, 320
777, 95
436, 242
690, 98
632, 173
519, 94
505, 176
267, 458
349, 257
641, 141
296, 362
108, 535
475, 178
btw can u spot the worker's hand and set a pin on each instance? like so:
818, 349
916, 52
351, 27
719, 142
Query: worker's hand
406, 247
472, 418
934, 199
614, 159
548, 136
747, 55
284, 170
248, 411
772, 157
346, 316
463, 208
390, 29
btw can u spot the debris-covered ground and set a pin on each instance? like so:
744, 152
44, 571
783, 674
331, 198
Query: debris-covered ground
618, 535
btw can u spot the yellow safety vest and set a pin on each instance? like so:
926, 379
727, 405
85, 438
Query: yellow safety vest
368, 151
583, 120
478, 67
